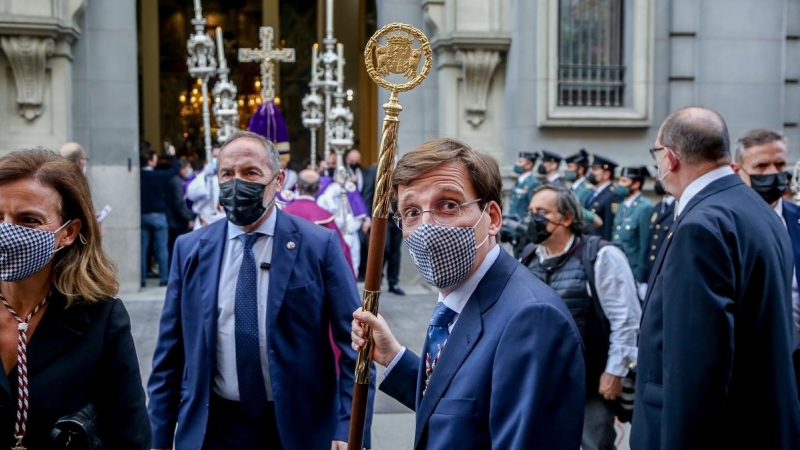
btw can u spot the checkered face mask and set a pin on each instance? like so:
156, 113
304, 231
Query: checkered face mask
444, 254
25, 251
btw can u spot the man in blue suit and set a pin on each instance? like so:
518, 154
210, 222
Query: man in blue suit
503, 363
715, 364
761, 160
244, 356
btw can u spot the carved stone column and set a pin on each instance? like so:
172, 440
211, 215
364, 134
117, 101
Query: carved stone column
28, 58
478, 67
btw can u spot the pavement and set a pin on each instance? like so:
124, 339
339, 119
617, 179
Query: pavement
393, 424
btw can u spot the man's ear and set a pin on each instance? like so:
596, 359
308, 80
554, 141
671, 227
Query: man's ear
736, 167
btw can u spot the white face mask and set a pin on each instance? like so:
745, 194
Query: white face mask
658, 166
444, 254
25, 251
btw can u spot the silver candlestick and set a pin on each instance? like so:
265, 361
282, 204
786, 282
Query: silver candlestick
202, 64
226, 108
312, 119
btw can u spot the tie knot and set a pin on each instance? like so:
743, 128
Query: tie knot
249, 239
442, 315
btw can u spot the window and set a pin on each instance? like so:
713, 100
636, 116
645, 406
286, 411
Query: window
595, 63
591, 69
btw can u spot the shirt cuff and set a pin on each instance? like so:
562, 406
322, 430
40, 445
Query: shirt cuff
616, 367
394, 361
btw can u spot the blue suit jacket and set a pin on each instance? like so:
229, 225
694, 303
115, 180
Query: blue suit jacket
311, 291
791, 214
511, 377
715, 368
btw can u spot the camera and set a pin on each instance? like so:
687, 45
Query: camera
514, 230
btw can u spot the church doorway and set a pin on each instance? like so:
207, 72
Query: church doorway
170, 103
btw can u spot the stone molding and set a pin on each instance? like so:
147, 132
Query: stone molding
28, 58
478, 67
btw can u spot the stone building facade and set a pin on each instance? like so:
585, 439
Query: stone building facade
508, 76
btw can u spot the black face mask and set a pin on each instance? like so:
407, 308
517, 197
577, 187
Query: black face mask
243, 201
542, 170
659, 188
591, 178
354, 167
770, 187
331, 171
537, 229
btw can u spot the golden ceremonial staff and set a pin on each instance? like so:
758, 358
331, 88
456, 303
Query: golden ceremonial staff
397, 57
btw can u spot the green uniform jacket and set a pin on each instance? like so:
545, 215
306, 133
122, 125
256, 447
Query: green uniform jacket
632, 232
583, 191
521, 195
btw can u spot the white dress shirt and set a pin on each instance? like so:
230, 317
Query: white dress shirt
524, 176
698, 185
459, 297
553, 177
795, 294
616, 291
226, 382
578, 183
629, 201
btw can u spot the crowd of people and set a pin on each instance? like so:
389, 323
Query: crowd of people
681, 317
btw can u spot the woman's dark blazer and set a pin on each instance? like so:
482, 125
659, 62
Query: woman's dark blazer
78, 355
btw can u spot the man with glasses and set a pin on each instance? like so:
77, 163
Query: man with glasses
596, 284
715, 364
604, 201
502, 366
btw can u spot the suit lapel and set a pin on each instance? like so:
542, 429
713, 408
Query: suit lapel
286, 245
715, 187
465, 334
209, 267
58, 329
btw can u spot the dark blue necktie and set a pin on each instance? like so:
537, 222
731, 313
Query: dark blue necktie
252, 392
592, 197
437, 336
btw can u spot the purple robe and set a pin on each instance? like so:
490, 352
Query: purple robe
357, 204
308, 209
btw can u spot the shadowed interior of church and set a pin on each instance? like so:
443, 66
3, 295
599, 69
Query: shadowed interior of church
170, 102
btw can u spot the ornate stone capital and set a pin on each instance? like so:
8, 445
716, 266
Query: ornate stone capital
478, 68
28, 58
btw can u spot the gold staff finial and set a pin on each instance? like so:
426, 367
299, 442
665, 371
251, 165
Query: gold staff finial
398, 56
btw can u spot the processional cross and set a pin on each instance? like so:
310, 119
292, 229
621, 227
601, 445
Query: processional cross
266, 56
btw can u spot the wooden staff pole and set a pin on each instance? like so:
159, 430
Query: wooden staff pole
398, 57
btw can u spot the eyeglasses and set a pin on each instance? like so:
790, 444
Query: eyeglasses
444, 212
653, 152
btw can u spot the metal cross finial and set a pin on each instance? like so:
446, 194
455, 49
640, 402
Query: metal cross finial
266, 56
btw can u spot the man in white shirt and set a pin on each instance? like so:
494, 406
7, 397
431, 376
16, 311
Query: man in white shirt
502, 365
603, 303
715, 345
761, 159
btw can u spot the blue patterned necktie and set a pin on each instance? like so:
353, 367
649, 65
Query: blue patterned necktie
252, 392
437, 337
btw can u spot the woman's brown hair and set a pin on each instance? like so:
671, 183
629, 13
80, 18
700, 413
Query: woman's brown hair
484, 171
82, 272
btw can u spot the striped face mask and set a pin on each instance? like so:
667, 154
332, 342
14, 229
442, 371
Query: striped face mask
25, 251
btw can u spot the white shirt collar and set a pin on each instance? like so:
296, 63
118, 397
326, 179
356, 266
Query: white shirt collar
779, 208
524, 176
579, 181
459, 297
553, 177
600, 188
541, 251
699, 184
305, 197
267, 228
668, 199
629, 201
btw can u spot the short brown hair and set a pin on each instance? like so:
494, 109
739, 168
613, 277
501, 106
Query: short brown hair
485, 173
753, 138
82, 272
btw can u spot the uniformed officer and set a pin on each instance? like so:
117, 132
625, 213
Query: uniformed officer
523, 190
604, 201
660, 223
632, 221
549, 168
577, 166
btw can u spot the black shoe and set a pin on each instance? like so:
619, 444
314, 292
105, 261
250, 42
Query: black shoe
162, 283
395, 289
144, 285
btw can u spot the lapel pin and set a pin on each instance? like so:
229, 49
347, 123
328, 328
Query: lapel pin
670, 236
291, 245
